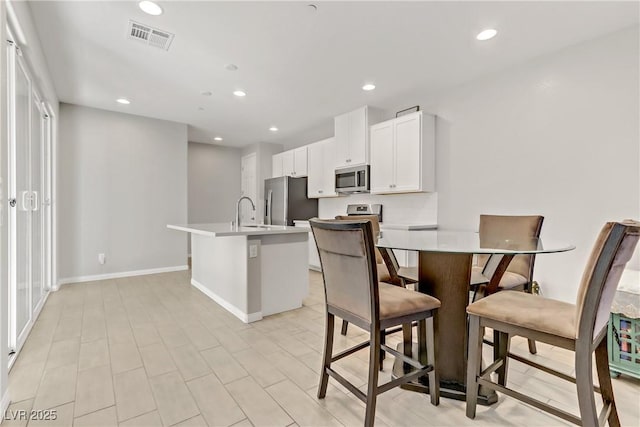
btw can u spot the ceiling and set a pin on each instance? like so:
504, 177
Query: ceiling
299, 67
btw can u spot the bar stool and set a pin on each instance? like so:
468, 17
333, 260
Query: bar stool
353, 293
580, 327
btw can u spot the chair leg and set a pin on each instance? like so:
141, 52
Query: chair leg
434, 378
326, 359
584, 384
343, 330
372, 387
604, 378
383, 340
407, 340
502, 344
473, 364
532, 347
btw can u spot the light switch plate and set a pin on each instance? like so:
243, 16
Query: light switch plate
253, 251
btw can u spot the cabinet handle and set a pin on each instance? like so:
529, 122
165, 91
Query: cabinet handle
348, 160
320, 191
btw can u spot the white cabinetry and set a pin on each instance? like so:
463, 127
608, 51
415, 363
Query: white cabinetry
314, 257
352, 136
290, 163
276, 165
322, 164
403, 154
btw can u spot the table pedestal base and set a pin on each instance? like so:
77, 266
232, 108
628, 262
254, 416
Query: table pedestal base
449, 389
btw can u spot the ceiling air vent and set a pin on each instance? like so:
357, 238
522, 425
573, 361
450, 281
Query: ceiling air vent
149, 35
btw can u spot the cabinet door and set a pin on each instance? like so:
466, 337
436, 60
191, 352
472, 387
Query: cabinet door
342, 140
408, 153
316, 173
382, 158
358, 135
287, 163
300, 161
329, 168
276, 165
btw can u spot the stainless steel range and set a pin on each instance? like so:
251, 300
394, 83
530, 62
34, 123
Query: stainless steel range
365, 209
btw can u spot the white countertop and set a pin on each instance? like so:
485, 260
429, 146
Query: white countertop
221, 229
385, 226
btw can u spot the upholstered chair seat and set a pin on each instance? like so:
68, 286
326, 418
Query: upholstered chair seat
396, 301
509, 280
542, 314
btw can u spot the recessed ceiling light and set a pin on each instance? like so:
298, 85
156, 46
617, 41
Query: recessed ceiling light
150, 7
207, 93
273, 129
239, 93
123, 101
218, 138
231, 67
369, 86
486, 34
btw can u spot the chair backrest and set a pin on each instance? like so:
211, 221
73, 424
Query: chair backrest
375, 225
349, 271
611, 252
512, 227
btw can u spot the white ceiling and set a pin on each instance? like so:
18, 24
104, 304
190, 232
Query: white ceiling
299, 68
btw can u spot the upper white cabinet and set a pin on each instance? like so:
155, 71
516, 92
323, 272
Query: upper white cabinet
352, 136
300, 166
403, 154
322, 164
276, 165
290, 163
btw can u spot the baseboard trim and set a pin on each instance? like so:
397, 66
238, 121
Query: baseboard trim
119, 275
246, 318
5, 402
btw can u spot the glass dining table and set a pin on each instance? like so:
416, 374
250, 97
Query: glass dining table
445, 260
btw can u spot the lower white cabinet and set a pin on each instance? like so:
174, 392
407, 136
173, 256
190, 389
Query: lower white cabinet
314, 257
403, 154
321, 169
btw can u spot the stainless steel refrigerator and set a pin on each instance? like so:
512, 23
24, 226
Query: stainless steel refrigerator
286, 200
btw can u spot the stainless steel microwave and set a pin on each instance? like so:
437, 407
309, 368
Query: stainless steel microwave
353, 180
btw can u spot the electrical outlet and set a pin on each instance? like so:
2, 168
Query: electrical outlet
253, 251
102, 258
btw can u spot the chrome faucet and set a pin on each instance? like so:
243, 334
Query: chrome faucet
253, 206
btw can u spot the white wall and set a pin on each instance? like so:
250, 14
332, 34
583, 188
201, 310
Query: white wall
214, 183
121, 180
557, 136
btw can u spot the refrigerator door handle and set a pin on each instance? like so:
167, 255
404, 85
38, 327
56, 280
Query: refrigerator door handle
268, 207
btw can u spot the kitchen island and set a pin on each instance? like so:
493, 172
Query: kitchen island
251, 271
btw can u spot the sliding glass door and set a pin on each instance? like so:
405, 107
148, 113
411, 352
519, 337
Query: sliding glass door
29, 214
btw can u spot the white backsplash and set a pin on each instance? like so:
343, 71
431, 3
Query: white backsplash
413, 208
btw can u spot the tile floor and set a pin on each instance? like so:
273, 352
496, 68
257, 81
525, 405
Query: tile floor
154, 351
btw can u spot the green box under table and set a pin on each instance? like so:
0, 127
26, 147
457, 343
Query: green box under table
623, 341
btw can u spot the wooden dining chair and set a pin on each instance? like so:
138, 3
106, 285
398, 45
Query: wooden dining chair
386, 264
580, 327
352, 292
519, 273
